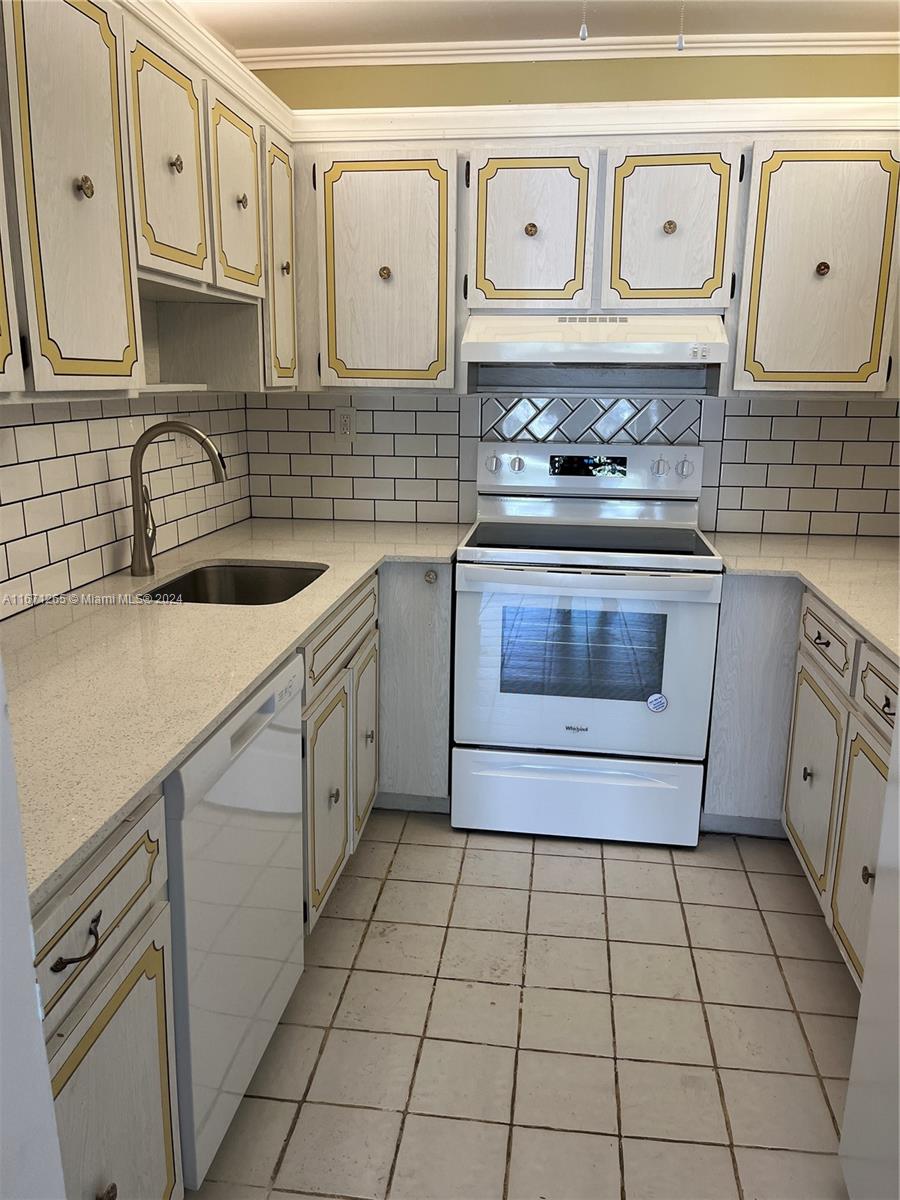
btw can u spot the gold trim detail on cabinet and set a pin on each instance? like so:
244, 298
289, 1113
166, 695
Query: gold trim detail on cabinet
341, 699
884, 716
627, 167
146, 843
221, 112
775, 162
152, 967
580, 172
314, 674
439, 174
804, 676
281, 370
48, 346
142, 56
360, 819
807, 612
858, 746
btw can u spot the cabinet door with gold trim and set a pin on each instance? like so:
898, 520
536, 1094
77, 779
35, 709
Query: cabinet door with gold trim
11, 374
281, 268
67, 96
365, 734
168, 157
859, 833
234, 155
329, 801
669, 227
819, 281
814, 772
386, 274
532, 229
113, 1076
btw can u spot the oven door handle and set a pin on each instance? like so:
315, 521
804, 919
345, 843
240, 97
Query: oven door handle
687, 588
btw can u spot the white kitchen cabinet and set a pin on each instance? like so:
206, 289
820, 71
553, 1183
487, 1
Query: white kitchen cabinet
281, 286
326, 727
113, 1077
819, 284
364, 670
812, 784
859, 833
532, 229
669, 224
168, 158
67, 99
236, 195
11, 374
386, 272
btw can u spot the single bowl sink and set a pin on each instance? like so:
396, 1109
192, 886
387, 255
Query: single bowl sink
236, 583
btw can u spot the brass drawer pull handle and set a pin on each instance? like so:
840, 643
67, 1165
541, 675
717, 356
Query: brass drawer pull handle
177, 164
887, 709
370, 735
823, 268
85, 185
670, 226
818, 640
334, 797
867, 876
110, 1193
94, 932
808, 775
531, 229
242, 200
285, 268
384, 272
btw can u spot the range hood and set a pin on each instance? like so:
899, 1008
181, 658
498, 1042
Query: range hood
489, 338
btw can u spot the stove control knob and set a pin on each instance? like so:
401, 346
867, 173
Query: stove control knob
659, 467
493, 464
685, 468
517, 463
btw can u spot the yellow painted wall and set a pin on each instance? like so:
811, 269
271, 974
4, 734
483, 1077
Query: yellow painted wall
586, 80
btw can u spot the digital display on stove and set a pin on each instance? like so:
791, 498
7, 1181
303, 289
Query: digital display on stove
599, 466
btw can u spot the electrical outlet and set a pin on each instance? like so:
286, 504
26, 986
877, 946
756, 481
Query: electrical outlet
345, 422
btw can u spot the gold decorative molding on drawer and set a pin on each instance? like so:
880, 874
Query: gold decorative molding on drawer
343, 633
828, 640
876, 690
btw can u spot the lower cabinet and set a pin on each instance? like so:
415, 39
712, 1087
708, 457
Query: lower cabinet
328, 800
113, 1077
364, 670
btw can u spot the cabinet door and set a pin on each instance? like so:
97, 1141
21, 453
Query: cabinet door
387, 231
668, 228
814, 772
817, 297
237, 209
365, 734
532, 230
328, 799
862, 806
168, 158
68, 112
281, 287
11, 377
113, 1078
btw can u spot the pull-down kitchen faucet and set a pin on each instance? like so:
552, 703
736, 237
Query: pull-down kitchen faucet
144, 524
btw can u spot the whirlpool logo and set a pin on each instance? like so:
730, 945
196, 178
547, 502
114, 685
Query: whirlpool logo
576, 728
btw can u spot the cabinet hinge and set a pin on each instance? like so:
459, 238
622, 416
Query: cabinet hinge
890, 367
465, 287
468, 169
741, 168
319, 365
314, 176
733, 284
25, 348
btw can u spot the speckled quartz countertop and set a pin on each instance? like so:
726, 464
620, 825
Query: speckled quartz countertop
106, 699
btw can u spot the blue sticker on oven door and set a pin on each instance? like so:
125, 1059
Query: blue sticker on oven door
657, 702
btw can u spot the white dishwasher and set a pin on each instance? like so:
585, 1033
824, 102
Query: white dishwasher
234, 823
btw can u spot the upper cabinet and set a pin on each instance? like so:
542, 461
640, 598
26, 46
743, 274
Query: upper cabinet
168, 158
532, 230
68, 118
281, 286
11, 378
669, 221
236, 196
386, 270
817, 297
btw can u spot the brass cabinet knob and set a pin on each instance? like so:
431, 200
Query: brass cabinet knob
334, 797
808, 775
85, 185
285, 268
242, 200
670, 226
384, 272
110, 1193
177, 164
531, 229
823, 268
867, 876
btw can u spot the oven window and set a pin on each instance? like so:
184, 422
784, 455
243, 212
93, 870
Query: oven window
572, 652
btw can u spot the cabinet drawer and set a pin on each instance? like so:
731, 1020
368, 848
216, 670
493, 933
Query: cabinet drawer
331, 648
875, 689
113, 1077
114, 889
828, 641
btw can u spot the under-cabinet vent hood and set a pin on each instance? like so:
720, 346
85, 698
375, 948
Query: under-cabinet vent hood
489, 338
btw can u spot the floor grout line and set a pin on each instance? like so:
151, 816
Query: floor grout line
620, 1136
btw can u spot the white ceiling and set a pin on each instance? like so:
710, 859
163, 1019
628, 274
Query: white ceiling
246, 25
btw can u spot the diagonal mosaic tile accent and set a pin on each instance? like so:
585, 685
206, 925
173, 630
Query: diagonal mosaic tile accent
593, 419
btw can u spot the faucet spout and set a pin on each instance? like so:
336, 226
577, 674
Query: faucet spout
144, 536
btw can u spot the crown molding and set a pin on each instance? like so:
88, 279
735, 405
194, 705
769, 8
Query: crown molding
563, 49
852, 114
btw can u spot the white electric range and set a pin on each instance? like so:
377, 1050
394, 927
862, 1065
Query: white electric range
587, 609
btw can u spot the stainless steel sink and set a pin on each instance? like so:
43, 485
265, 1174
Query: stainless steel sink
237, 583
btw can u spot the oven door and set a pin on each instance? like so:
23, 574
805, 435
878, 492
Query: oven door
596, 661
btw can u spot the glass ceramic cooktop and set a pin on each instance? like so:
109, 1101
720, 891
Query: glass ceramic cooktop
644, 539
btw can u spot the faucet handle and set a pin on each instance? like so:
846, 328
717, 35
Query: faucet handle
149, 522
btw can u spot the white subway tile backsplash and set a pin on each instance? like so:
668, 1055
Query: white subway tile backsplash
43, 512
19, 482
395, 510
833, 524
35, 441
27, 554
354, 510
12, 522
414, 489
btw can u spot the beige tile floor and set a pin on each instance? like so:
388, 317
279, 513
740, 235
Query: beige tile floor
496, 1017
